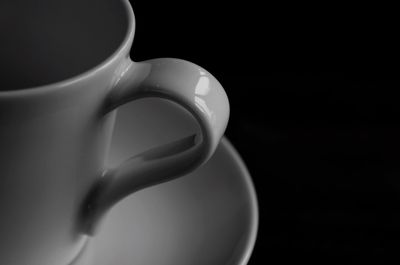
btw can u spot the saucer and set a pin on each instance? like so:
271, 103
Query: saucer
207, 217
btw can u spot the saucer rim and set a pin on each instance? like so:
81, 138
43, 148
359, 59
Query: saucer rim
247, 249
254, 208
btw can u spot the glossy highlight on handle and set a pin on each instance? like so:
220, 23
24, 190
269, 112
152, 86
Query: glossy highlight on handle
181, 82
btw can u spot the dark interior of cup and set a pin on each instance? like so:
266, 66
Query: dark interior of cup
46, 41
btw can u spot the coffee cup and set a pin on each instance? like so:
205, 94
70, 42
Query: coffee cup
65, 71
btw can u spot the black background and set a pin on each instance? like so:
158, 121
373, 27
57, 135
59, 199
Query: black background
314, 114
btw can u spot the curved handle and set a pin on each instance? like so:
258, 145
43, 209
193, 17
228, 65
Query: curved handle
184, 83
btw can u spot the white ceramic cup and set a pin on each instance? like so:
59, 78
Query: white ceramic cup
65, 69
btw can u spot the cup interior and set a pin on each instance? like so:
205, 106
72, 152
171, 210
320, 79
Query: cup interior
46, 41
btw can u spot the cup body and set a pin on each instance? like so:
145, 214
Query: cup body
65, 68
53, 144
52, 150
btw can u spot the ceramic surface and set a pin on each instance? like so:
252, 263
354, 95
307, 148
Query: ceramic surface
65, 69
208, 217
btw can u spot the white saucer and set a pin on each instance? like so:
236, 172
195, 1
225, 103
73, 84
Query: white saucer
207, 217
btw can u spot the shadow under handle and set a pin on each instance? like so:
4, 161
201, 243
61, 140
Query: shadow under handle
181, 82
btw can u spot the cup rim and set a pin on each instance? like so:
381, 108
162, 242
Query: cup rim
123, 46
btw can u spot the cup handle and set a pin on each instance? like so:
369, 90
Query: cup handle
179, 81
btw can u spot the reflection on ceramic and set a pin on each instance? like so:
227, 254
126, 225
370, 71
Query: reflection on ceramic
208, 217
